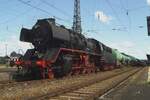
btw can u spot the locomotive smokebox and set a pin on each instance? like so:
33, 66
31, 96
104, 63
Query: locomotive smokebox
44, 33
26, 35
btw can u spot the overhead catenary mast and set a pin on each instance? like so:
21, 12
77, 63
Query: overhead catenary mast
77, 17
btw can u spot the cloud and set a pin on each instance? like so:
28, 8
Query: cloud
148, 2
13, 44
102, 17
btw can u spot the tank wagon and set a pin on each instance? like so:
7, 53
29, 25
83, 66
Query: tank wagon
118, 57
59, 51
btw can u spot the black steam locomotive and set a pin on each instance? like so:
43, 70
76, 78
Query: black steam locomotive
59, 51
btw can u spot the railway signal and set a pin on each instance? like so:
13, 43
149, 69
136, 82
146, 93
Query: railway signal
148, 25
148, 57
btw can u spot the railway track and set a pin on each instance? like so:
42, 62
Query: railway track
5, 75
90, 90
3, 70
6, 82
50, 88
9, 82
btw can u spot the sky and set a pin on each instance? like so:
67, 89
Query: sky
119, 24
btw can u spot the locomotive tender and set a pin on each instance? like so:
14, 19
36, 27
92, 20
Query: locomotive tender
59, 51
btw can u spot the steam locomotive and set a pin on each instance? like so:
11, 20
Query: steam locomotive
59, 51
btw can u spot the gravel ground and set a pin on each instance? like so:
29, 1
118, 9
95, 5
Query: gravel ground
136, 88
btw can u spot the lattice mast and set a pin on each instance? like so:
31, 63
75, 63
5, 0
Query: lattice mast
77, 17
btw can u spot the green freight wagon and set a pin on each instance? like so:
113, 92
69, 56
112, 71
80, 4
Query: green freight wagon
117, 56
126, 60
